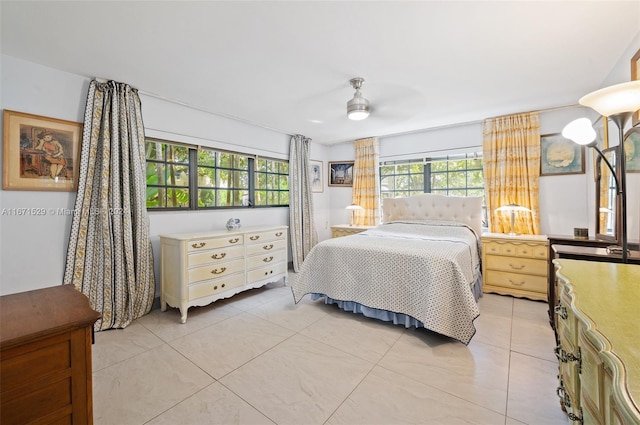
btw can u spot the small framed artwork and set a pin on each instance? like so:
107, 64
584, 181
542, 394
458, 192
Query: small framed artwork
559, 155
635, 75
315, 174
341, 173
40, 153
632, 150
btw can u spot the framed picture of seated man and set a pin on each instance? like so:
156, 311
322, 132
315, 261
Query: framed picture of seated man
559, 156
40, 153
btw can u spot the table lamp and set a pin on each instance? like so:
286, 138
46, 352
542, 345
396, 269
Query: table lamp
353, 208
512, 209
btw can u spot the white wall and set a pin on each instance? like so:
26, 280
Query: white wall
33, 249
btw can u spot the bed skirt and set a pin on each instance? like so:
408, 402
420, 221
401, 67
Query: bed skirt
384, 315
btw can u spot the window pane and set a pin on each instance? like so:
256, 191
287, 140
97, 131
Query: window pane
206, 177
177, 154
261, 165
177, 198
438, 181
388, 183
402, 183
261, 181
386, 170
458, 165
154, 150
284, 183
207, 157
284, 198
457, 192
261, 197
458, 180
417, 182
402, 169
475, 163
438, 166
178, 175
155, 173
284, 169
206, 198
417, 168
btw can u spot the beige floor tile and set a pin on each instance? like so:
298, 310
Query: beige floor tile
135, 391
493, 326
477, 373
214, 405
532, 397
531, 332
355, 334
167, 324
116, 345
255, 297
301, 381
385, 397
511, 421
284, 312
226, 345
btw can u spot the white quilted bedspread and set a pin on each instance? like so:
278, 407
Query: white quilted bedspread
421, 269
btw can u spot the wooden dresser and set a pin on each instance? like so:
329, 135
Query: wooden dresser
45, 359
340, 230
200, 268
598, 348
515, 265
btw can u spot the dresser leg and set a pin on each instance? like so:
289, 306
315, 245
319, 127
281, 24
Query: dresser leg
183, 312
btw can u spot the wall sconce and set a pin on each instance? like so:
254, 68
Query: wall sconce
512, 209
618, 103
353, 208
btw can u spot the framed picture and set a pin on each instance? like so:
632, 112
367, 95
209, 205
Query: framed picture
315, 172
559, 155
635, 75
632, 150
40, 153
341, 173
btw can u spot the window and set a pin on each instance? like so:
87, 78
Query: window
184, 177
459, 175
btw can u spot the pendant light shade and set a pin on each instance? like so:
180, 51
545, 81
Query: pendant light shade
357, 108
613, 100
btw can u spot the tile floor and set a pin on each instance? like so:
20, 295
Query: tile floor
258, 358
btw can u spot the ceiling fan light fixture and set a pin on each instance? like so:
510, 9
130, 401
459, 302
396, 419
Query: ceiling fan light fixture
358, 108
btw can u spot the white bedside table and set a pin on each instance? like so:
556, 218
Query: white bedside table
347, 230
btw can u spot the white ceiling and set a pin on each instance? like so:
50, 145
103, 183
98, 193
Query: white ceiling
286, 65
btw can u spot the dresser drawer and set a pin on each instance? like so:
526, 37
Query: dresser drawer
523, 282
266, 272
218, 242
266, 247
215, 270
272, 235
265, 259
210, 287
214, 256
516, 265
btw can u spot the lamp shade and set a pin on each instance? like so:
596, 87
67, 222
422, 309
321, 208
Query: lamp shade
353, 207
580, 131
616, 99
512, 208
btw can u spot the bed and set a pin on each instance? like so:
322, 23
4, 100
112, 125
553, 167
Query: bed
420, 268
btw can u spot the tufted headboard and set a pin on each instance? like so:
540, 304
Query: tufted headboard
428, 206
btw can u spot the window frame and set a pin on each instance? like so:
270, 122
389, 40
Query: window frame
193, 183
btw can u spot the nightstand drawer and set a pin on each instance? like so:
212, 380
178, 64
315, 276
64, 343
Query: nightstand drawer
516, 281
516, 265
515, 249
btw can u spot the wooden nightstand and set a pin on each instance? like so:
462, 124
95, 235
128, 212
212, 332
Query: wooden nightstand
346, 230
515, 265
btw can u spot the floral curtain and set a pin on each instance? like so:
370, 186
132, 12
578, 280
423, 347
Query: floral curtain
109, 258
301, 227
366, 182
511, 156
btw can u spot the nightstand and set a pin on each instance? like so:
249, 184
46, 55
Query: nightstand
346, 230
515, 265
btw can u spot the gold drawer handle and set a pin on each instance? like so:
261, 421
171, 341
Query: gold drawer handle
268, 247
516, 284
524, 251
254, 238
516, 267
198, 245
217, 257
279, 234
267, 260
234, 240
222, 270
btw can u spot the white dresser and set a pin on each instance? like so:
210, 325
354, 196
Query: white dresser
200, 268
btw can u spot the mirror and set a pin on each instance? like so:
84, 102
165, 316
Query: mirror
607, 202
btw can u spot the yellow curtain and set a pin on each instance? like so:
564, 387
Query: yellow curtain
511, 156
366, 182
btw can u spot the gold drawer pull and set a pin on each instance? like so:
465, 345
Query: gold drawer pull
219, 256
516, 284
222, 270
268, 247
198, 245
234, 240
279, 234
254, 238
267, 260
516, 267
